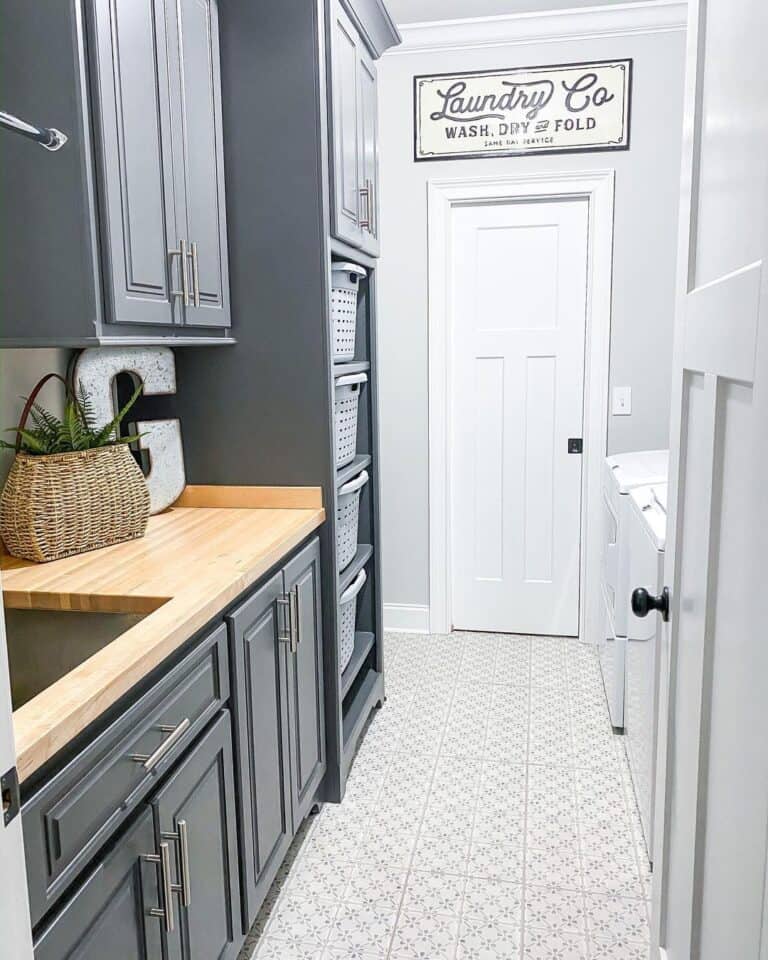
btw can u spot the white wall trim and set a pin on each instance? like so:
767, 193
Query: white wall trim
586, 23
406, 618
597, 187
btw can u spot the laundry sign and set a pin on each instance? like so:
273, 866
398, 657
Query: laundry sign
569, 108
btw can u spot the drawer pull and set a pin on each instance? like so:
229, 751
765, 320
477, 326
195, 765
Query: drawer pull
164, 860
150, 761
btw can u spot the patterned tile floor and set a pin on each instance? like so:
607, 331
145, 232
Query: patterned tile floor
489, 815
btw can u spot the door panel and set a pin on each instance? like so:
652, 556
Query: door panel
708, 895
261, 725
641, 697
136, 163
108, 915
347, 172
368, 109
306, 702
201, 794
14, 906
518, 326
199, 153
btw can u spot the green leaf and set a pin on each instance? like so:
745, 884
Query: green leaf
32, 442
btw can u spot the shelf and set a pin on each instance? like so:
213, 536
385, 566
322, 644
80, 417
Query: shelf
343, 251
348, 574
363, 645
361, 461
355, 366
358, 711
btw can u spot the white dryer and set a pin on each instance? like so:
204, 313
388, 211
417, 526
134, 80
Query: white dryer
621, 474
647, 530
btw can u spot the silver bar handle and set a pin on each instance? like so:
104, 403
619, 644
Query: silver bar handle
48, 137
164, 860
195, 274
182, 838
294, 610
371, 207
150, 761
284, 604
365, 194
182, 253
186, 885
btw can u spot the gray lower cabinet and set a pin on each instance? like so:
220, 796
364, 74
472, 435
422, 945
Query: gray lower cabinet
109, 916
305, 675
260, 707
195, 814
168, 889
160, 838
276, 642
355, 132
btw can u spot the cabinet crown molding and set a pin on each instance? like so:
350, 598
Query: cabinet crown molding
586, 23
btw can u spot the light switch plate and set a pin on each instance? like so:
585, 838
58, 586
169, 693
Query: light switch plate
622, 401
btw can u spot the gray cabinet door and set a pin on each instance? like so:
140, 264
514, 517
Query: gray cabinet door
261, 732
195, 85
133, 138
369, 151
305, 678
195, 812
347, 170
109, 913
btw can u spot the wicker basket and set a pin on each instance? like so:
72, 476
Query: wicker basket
65, 503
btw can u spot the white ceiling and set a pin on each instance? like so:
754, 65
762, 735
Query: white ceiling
415, 11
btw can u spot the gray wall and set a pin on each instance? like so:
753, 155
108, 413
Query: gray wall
19, 372
647, 188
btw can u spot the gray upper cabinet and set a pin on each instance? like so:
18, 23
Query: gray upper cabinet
136, 163
164, 236
347, 168
109, 913
195, 815
193, 31
261, 732
368, 110
359, 32
307, 711
119, 236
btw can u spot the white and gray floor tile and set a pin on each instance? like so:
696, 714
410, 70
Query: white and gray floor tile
489, 816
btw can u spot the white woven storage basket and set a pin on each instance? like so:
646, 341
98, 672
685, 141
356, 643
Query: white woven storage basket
347, 519
346, 400
348, 619
345, 280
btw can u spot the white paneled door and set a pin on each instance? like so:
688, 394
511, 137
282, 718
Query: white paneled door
709, 883
15, 929
518, 314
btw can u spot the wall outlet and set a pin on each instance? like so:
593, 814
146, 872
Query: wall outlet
622, 401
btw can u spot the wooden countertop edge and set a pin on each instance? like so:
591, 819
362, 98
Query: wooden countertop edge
253, 498
46, 724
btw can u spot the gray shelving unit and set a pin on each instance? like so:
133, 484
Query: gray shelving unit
261, 412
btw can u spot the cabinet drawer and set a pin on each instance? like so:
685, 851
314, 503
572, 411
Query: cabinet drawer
69, 819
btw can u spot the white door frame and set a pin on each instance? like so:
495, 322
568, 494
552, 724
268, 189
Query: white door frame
597, 188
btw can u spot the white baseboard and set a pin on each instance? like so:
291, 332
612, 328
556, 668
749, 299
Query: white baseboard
406, 618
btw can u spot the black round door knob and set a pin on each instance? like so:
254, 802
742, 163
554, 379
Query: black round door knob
643, 602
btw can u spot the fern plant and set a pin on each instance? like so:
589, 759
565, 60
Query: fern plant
75, 430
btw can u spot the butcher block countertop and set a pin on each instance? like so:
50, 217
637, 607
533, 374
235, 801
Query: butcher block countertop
195, 559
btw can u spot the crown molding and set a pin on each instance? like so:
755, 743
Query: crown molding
585, 23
